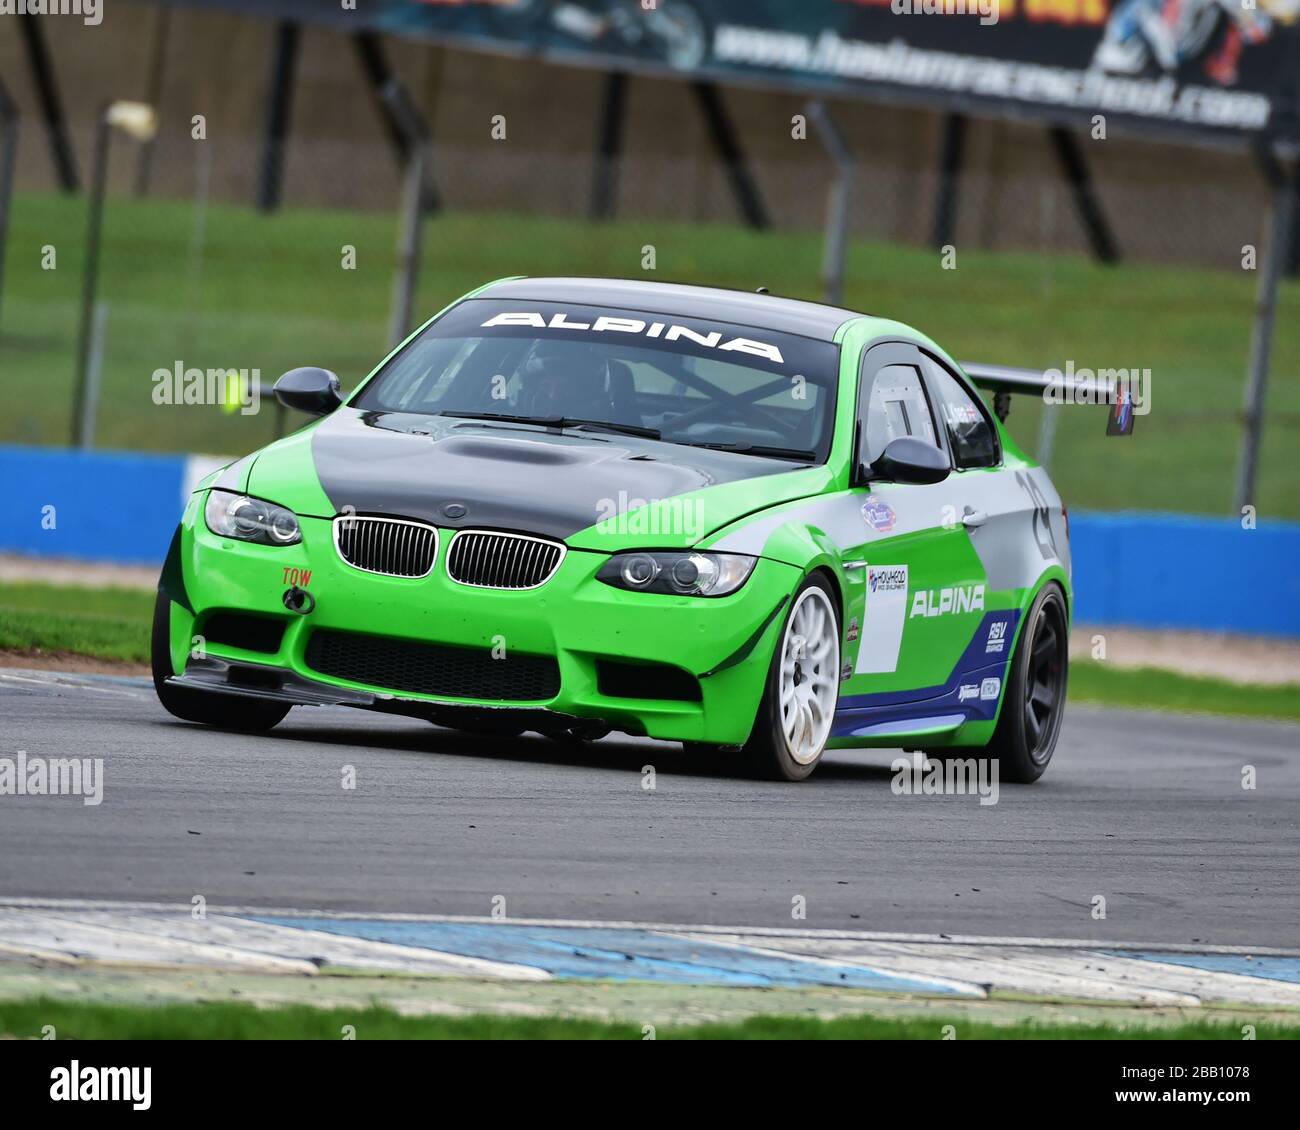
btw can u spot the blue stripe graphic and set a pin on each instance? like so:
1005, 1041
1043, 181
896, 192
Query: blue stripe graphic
859, 714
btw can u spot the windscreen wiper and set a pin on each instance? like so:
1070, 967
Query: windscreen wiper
607, 426
506, 417
755, 449
557, 422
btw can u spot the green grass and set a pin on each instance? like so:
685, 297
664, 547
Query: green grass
1150, 688
227, 1021
111, 624
269, 293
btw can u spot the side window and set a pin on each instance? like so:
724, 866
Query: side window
970, 435
896, 406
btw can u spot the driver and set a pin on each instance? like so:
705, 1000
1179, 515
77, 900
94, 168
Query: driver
565, 379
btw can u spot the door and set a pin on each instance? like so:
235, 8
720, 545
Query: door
1010, 516
923, 582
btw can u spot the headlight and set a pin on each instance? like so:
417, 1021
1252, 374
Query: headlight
680, 574
250, 519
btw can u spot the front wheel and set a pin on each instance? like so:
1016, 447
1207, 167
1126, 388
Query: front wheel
227, 712
1034, 702
803, 687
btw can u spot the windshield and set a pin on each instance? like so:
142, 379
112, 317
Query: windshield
714, 384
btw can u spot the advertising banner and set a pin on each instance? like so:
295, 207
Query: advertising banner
1210, 67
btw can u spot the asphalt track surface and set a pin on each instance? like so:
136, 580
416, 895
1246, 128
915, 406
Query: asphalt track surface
1145, 810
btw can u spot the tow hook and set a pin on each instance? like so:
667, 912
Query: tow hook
299, 600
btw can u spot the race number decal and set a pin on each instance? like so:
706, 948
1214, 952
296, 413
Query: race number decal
882, 623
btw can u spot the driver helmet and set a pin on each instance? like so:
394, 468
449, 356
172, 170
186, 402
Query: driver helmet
566, 379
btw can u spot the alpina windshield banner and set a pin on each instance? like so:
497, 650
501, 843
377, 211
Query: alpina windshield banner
1209, 67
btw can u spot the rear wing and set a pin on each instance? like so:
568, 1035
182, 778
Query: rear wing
1051, 387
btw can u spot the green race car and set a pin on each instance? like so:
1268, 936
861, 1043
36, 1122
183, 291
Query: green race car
581, 505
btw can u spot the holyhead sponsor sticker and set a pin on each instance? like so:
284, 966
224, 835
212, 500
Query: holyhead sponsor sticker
883, 620
887, 578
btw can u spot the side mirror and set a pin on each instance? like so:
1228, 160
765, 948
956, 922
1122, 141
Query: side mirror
909, 460
309, 390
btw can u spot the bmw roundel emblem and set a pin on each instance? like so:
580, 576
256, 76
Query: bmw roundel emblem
455, 510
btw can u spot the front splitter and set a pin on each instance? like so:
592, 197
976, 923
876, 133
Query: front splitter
267, 683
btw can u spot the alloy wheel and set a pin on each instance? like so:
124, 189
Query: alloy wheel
809, 677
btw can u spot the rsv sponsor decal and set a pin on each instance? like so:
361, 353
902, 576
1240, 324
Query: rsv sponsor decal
665, 330
878, 514
996, 643
941, 602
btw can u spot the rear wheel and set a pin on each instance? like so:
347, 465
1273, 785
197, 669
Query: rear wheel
803, 687
1034, 701
228, 712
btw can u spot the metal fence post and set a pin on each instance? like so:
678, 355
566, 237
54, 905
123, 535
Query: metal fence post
1049, 234
90, 282
278, 111
8, 158
140, 121
94, 376
1282, 207
414, 204
409, 242
837, 207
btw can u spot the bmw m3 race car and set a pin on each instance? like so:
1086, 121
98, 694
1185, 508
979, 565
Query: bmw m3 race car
731, 520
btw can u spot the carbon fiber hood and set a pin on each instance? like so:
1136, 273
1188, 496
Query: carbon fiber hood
486, 474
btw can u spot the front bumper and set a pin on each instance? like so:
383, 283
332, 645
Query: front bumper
725, 643
277, 684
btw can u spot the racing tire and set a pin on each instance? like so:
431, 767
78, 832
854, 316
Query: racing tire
797, 710
224, 711
1034, 701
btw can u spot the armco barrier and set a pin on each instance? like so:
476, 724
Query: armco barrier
1143, 570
